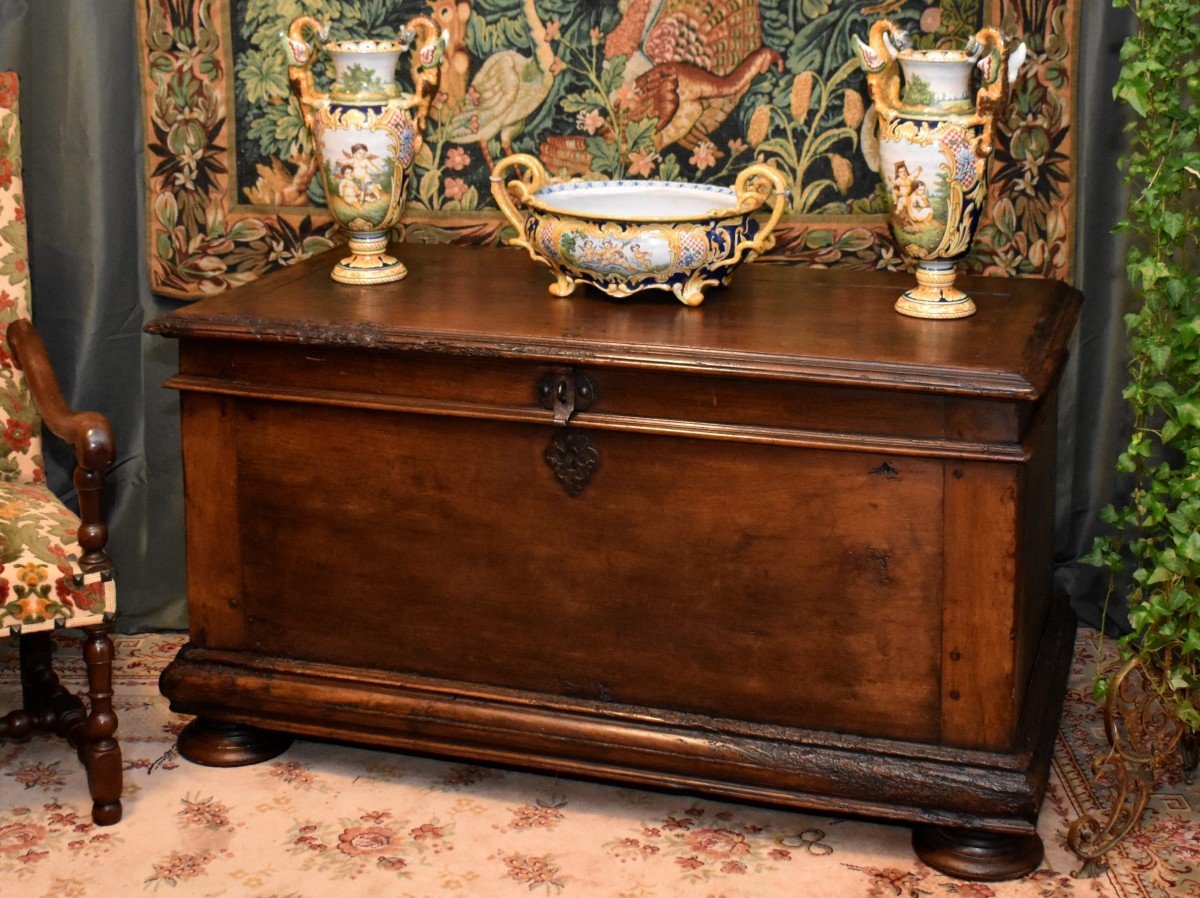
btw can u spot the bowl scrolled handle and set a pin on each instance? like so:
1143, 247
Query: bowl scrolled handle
502, 193
752, 193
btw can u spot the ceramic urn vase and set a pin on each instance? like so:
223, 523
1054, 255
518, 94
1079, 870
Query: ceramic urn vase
936, 134
366, 133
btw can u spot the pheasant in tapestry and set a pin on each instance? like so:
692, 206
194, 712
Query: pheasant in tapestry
506, 90
689, 63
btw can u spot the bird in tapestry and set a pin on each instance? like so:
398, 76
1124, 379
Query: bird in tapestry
507, 89
688, 64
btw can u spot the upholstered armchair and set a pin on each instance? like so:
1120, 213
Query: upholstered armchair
54, 572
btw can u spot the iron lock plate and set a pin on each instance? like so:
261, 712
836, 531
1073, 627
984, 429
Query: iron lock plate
566, 391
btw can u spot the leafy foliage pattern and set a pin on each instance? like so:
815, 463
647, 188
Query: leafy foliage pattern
231, 172
20, 426
1156, 533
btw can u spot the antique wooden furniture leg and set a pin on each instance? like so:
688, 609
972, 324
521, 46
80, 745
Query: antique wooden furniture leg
18, 725
978, 854
38, 681
219, 743
52, 705
101, 753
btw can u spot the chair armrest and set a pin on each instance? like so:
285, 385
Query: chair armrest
88, 432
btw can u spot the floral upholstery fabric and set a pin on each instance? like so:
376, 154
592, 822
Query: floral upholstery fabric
20, 439
41, 583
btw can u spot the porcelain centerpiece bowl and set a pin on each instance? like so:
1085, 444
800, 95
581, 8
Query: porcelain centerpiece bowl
627, 236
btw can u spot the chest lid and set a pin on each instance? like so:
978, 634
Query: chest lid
779, 322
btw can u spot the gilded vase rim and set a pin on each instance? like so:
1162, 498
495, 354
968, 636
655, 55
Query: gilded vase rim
953, 56
366, 46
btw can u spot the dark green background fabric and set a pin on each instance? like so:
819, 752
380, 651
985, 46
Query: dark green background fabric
83, 180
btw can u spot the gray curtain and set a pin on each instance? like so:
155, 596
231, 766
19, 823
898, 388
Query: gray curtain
84, 174
81, 139
1093, 421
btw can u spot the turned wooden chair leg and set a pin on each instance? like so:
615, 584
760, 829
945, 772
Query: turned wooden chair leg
49, 703
17, 726
101, 753
36, 673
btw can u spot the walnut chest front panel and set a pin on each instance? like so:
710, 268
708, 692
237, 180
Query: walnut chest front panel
696, 575
774, 550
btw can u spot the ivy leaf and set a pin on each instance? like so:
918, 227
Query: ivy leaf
1188, 330
1135, 92
1187, 414
1191, 644
1173, 223
1158, 575
1190, 716
1160, 355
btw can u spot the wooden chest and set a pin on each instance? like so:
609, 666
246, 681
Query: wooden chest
788, 546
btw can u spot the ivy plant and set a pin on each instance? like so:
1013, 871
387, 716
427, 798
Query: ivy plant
1155, 533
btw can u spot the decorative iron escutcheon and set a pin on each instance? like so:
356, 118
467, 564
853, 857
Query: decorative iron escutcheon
574, 459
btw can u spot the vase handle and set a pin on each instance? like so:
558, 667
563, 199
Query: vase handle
878, 58
427, 53
753, 187
999, 62
301, 53
524, 188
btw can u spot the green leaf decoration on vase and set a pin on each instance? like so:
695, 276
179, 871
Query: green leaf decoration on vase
358, 79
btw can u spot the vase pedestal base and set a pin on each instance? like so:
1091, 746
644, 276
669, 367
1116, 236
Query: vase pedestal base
935, 296
368, 263
384, 271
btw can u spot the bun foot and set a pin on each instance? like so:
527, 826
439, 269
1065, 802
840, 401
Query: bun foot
216, 743
976, 854
106, 814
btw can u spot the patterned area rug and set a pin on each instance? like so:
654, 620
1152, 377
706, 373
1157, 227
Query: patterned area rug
328, 819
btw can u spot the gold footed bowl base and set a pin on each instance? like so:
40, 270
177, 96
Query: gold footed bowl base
563, 285
368, 264
935, 296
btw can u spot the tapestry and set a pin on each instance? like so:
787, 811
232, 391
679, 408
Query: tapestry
691, 90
